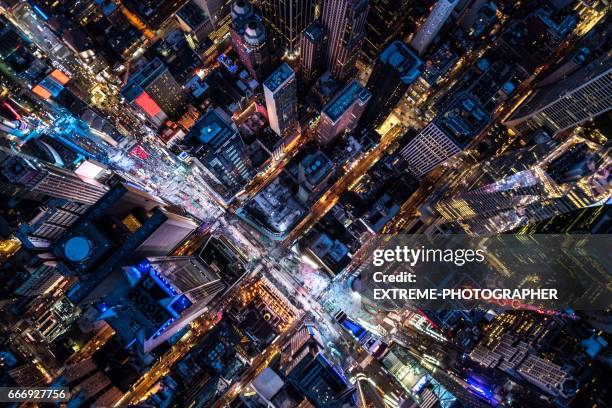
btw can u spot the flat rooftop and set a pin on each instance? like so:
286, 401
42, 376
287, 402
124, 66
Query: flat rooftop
314, 32
212, 130
405, 61
351, 93
278, 77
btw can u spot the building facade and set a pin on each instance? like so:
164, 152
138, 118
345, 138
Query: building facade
313, 44
154, 90
280, 90
394, 71
557, 107
432, 26
343, 112
288, 18
344, 21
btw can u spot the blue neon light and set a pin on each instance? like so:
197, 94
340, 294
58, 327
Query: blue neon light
39, 11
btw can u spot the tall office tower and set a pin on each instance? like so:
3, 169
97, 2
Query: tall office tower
516, 357
154, 13
343, 112
445, 136
385, 22
249, 39
49, 223
42, 280
280, 90
313, 44
288, 18
154, 90
157, 298
344, 21
590, 220
44, 179
582, 96
530, 185
432, 26
219, 151
306, 367
395, 70
125, 224
217, 10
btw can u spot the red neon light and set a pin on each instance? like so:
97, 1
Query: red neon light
9, 107
148, 104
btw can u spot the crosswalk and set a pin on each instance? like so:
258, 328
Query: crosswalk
391, 400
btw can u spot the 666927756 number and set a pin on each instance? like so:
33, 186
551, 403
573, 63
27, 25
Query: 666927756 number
34, 394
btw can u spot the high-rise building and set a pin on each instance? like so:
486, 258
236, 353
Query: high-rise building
590, 220
344, 21
559, 106
445, 136
126, 223
249, 39
343, 112
42, 281
288, 18
530, 185
154, 90
49, 223
304, 363
394, 71
216, 10
280, 90
385, 22
220, 152
45, 179
312, 52
432, 26
511, 355
157, 298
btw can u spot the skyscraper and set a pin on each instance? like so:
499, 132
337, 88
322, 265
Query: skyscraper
154, 90
50, 222
432, 26
559, 106
48, 180
216, 10
312, 52
385, 22
343, 112
288, 18
530, 185
304, 363
125, 223
157, 298
280, 90
249, 39
219, 151
344, 21
394, 71
448, 134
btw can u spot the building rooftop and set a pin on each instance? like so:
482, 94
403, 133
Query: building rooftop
212, 130
141, 79
316, 167
551, 93
192, 15
278, 77
351, 93
403, 59
463, 120
314, 32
